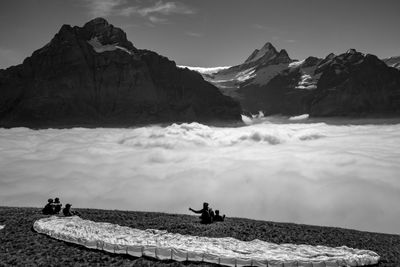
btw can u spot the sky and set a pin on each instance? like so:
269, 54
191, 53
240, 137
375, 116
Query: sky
211, 33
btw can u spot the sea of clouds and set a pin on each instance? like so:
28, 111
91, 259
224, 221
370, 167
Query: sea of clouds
342, 175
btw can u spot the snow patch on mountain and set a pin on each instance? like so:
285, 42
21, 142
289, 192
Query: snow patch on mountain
309, 79
245, 75
100, 48
252, 75
296, 64
306, 82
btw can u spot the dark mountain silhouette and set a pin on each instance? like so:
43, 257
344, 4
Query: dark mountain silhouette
94, 76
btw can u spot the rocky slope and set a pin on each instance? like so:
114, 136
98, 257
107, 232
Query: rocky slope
349, 84
94, 76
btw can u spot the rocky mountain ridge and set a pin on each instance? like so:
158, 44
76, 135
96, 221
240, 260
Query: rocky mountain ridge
94, 76
349, 84
258, 68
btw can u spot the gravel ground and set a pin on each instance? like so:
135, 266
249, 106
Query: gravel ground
21, 246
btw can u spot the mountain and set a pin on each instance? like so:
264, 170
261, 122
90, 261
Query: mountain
349, 84
392, 62
261, 66
94, 76
356, 84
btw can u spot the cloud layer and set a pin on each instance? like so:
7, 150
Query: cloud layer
307, 173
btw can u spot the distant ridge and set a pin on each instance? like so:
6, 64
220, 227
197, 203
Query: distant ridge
349, 84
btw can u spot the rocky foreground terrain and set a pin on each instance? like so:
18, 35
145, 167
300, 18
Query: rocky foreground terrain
94, 76
21, 246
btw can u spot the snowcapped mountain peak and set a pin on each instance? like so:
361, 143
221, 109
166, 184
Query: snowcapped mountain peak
351, 51
268, 46
267, 52
283, 55
106, 34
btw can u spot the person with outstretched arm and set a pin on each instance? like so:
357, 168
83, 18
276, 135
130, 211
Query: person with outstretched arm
207, 214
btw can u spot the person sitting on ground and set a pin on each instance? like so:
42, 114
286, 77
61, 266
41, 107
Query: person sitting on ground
68, 212
48, 208
207, 214
218, 218
57, 205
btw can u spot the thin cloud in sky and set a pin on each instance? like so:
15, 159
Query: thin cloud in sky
258, 26
194, 34
158, 20
151, 12
103, 8
167, 8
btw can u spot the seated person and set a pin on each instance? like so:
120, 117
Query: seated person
57, 205
207, 214
218, 218
68, 212
48, 209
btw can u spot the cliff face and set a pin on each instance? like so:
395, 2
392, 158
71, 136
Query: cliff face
92, 75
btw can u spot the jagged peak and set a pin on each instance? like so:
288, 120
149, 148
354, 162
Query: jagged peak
268, 50
96, 32
351, 55
65, 27
268, 46
283, 53
106, 34
97, 26
351, 51
330, 56
102, 22
311, 61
